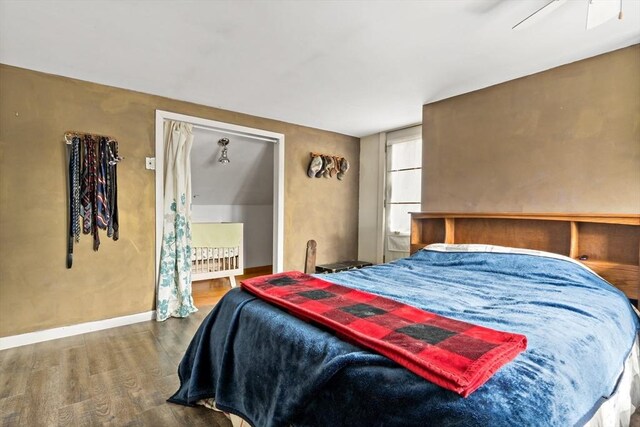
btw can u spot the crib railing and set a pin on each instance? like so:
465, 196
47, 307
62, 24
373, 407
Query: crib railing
208, 260
211, 261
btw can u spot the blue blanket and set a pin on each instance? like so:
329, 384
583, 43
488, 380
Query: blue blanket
274, 369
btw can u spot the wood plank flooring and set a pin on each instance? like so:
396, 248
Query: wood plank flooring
209, 292
119, 377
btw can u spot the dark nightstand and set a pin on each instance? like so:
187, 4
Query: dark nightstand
341, 266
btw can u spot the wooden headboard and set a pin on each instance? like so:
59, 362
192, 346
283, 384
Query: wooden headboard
609, 244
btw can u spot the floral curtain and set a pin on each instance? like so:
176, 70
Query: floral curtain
174, 283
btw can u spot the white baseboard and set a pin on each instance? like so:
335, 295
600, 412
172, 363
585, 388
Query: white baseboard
68, 331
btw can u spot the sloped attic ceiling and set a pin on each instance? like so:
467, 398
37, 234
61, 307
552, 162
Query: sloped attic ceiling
246, 180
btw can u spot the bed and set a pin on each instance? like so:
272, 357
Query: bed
254, 360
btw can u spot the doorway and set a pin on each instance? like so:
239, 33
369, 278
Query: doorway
230, 130
403, 189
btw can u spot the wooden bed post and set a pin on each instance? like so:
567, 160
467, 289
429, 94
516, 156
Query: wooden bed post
310, 259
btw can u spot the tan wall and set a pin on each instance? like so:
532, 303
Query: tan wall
564, 140
36, 290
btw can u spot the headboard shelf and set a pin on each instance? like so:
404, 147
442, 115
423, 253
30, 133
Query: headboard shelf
609, 244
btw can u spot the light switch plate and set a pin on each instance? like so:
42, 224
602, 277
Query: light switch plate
150, 163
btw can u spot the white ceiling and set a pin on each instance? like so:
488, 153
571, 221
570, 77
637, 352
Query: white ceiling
246, 180
355, 67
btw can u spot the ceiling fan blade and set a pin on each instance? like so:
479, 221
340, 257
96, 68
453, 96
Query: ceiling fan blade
539, 14
600, 11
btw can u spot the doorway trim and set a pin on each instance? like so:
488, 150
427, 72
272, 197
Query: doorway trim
278, 176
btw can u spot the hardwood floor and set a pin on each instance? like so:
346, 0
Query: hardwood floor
209, 292
119, 377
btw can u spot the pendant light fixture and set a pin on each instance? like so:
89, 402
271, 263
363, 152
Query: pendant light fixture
223, 157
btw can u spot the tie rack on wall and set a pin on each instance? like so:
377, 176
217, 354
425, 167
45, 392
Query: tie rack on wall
92, 187
71, 133
327, 165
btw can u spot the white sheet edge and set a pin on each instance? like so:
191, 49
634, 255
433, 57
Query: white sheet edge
617, 410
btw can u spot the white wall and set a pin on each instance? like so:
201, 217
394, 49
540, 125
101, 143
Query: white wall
258, 228
247, 180
371, 201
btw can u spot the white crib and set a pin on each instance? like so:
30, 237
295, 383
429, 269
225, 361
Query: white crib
216, 251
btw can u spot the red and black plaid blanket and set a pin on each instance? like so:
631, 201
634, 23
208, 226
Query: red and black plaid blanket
456, 355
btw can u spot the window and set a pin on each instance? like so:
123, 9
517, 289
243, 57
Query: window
403, 188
